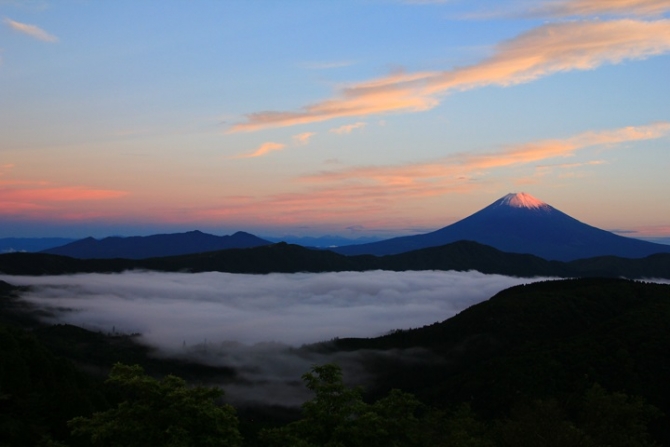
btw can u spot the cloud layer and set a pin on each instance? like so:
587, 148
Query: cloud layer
169, 309
254, 322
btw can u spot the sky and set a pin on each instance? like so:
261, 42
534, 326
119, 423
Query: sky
351, 118
254, 323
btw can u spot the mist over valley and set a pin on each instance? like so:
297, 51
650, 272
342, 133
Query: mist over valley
253, 323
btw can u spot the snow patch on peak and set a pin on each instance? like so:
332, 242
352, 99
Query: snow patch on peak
522, 200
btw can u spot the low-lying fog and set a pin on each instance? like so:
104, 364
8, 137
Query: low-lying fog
236, 316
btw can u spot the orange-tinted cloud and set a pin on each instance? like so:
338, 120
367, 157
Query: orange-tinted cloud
571, 165
400, 96
303, 138
347, 128
31, 30
542, 51
560, 47
345, 195
263, 149
573, 8
468, 165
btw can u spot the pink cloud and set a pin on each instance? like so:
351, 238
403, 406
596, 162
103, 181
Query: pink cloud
42, 200
31, 30
263, 149
542, 51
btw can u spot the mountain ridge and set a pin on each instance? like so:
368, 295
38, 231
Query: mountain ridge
287, 258
158, 245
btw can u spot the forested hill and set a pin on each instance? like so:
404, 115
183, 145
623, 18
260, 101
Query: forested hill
286, 258
537, 341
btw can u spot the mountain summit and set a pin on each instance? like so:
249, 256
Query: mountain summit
521, 200
520, 223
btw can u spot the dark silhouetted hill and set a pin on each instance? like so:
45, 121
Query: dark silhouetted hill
287, 258
537, 341
140, 247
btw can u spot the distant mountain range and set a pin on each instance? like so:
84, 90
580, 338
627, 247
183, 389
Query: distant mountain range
159, 245
31, 244
327, 241
520, 223
516, 223
286, 258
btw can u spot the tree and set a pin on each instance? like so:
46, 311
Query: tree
338, 416
540, 423
159, 412
616, 419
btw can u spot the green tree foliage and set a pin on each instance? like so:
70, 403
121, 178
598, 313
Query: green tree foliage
162, 412
338, 416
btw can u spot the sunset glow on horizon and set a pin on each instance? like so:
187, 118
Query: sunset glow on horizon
376, 118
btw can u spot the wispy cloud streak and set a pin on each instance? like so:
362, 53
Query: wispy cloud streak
581, 8
348, 128
465, 164
542, 51
30, 30
263, 149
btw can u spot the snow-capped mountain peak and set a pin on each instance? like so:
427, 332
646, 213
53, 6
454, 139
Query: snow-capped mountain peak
522, 200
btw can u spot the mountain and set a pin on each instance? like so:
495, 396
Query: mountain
520, 223
12, 244
140, 247
286, 258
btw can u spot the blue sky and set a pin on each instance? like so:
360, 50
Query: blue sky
351, 118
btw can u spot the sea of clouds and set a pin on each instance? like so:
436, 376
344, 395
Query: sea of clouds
254, 323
